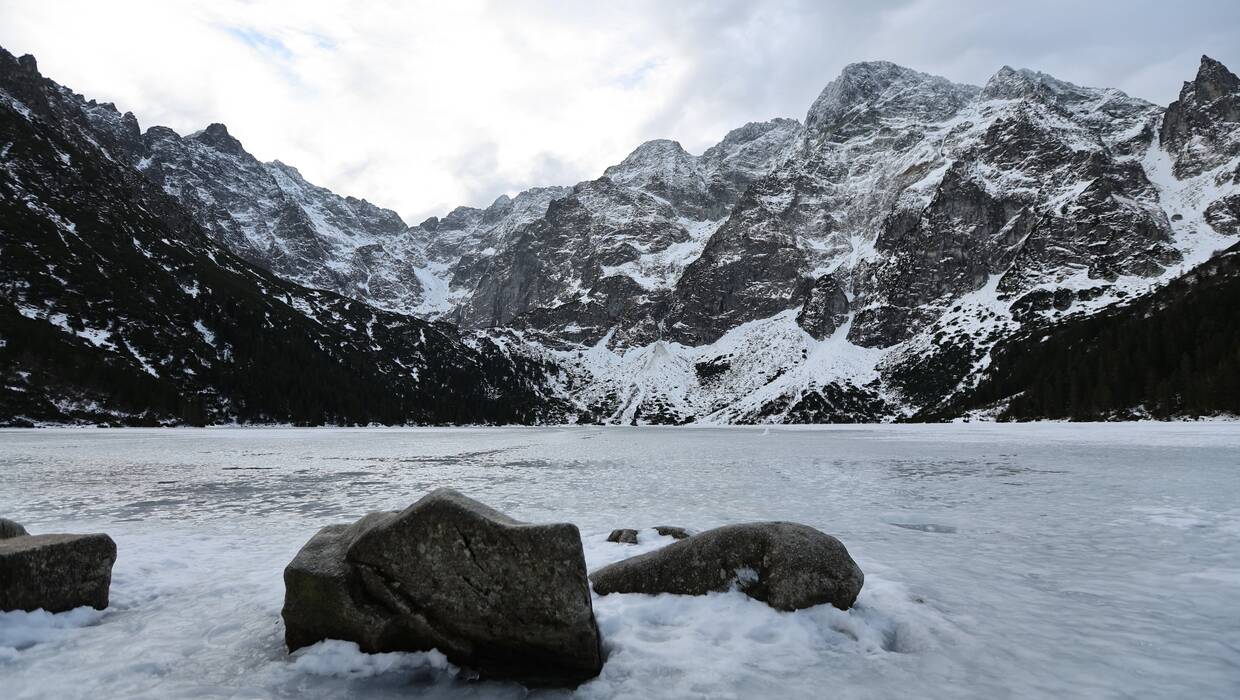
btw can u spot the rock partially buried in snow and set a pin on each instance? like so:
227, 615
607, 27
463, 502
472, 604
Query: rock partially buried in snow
507, 599
623, 536
671, 531
630, 536
9, 528
787, 565
55, 572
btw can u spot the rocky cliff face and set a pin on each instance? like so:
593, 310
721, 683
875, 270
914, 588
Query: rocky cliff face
1200, 130
912, 191
1200, 126
914, 224
270, 216
608, 254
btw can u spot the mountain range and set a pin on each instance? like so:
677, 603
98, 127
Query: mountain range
914, 249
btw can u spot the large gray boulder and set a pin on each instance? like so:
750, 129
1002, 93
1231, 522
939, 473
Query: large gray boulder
9, 528
507, 599
787, 565
55, 572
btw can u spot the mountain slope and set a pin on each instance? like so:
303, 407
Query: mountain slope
917, 224
1175, 352
117, 307
891, 259
607, 254
269, 215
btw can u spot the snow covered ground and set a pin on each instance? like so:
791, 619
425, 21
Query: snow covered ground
1001, 561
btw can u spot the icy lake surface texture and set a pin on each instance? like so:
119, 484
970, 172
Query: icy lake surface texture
1000, 561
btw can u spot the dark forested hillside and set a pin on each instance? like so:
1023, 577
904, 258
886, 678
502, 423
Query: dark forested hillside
1174, 353
118, 308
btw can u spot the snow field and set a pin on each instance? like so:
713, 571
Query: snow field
1000, 560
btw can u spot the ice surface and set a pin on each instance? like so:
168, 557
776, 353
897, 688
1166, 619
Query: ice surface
1001, 560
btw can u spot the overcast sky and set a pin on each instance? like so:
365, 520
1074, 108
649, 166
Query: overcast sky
423, 106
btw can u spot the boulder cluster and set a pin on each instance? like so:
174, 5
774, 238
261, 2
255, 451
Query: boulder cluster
502, 598
511, 600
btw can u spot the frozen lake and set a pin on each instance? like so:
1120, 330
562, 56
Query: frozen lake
1022, 560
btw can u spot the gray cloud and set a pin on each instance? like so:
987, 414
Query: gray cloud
423, 106
759, 60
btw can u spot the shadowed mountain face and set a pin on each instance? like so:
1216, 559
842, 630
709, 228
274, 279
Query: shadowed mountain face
862, 266
269, 215
119, 308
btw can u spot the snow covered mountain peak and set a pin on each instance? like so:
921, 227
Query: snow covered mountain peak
285, 168
663, 168
752, 132
1213, 81
1201, 127
657, 152
753, 150
609, 252
870, 93
1010, 83
216, 136
269, 214
703, 187
1022, 83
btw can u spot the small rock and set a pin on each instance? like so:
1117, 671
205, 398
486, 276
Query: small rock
9, 528
671, 531
55, 572
787, 565
507, 599
927, 527
624, 536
